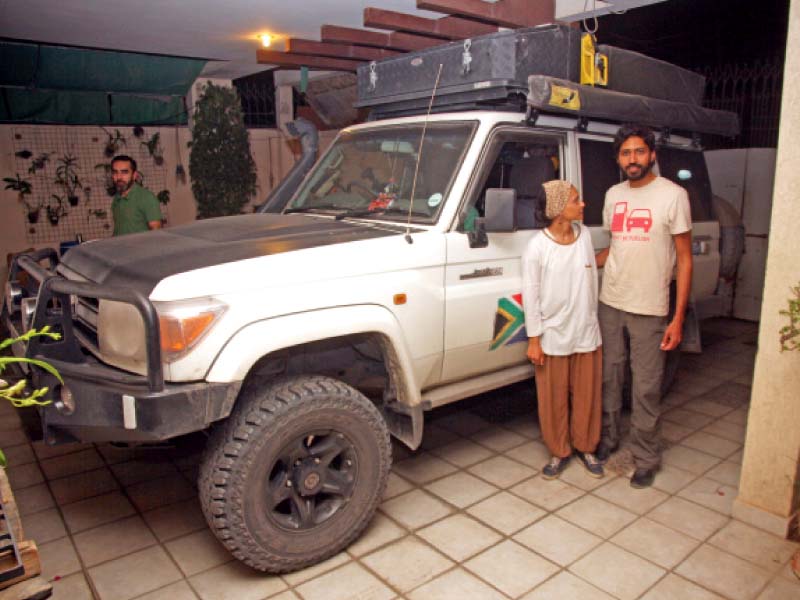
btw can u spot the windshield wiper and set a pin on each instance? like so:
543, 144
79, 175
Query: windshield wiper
304, 209
364, 212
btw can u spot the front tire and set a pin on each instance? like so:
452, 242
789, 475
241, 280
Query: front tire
296, 473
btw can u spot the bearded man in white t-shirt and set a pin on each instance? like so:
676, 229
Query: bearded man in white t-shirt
650, 223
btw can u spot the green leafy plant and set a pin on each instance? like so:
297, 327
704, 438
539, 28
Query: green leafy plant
220, 165
97, 213
24, 188
16, 393
67, 177
163, 197
790, 334
55, 209
153, 146
114, 142
39, 163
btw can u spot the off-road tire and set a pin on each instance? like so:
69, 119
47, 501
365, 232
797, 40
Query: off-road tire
259, 450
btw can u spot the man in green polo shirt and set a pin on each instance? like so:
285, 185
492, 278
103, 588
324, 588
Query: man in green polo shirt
135, 209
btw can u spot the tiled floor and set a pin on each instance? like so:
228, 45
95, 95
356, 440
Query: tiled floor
466, 516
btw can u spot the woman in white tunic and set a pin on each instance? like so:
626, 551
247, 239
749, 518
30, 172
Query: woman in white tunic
559, 294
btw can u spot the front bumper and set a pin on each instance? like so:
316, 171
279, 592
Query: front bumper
97, 402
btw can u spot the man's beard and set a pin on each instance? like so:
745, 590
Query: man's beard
123, 186
642, 173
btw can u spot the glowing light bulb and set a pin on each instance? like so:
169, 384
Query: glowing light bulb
266, 40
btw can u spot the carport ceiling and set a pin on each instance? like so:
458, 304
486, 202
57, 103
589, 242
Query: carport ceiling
224, 32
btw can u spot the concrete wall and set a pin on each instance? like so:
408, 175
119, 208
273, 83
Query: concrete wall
769, 486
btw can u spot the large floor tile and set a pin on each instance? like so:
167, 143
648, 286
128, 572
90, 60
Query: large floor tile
21, 454
526, 425
710, 494
235, 581
534, 454
160, 492
463, 453
136, 471
73, 587
58, 559
558, 540
455, 585
134, 574
379, 532
179, 590
113, 540
622, 494
462, 422
711, 444
727, 430
506, 513
550, 495
577, 475
672, 479
407, 564
435, 436
461, 489
23, 476
197, 552
727, 473
617, 571
511, 568
423, 468
415, 509
723, 573
295, 578
95, 511
46, 526
71, 464
459, 537
781, 589
175, 520
673, 587
395, 486
754, 545
596, 515
501, 471
498, 439
689, 459
565, 586
83, 485
33, 499
655, 542
688, 518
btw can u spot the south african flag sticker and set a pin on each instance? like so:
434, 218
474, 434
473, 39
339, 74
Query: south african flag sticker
509, 322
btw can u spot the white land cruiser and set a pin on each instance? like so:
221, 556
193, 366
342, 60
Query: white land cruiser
389, 285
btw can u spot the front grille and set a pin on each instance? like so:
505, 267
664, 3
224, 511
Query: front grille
84, 320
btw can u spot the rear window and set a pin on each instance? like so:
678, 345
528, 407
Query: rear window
599, 171
687, 168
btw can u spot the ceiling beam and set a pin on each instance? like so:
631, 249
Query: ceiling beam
284, 59
448, 28
505, 13
313, 48
397, 40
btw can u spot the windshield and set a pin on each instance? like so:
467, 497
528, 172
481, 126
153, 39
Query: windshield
370, 173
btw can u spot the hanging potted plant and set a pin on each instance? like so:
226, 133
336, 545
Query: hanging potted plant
24, 188
39, 163
220, 164
153, 146
115, 142
55, 209
111, 189
67, 178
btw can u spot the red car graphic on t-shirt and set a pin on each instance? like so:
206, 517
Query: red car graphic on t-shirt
640, 218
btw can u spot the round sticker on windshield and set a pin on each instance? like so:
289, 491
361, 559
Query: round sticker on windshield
684, 174
435, 200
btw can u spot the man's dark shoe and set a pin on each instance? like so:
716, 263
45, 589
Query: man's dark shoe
555, 467
593, 466
603, 452
643, 478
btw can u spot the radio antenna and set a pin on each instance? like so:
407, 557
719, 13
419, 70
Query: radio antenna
408, 237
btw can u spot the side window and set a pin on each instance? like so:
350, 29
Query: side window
523, 164
688, 169
599, 171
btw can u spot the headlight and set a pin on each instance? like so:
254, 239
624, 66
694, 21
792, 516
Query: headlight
184, 323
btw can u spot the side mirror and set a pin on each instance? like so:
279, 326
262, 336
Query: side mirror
499, 210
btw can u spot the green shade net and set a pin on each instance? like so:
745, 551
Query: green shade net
55, 84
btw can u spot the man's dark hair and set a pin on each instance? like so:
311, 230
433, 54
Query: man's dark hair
124, 157
629, 130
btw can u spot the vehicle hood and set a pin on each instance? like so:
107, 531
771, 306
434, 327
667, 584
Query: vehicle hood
141, 260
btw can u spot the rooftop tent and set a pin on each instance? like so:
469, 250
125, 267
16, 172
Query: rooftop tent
73, 86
